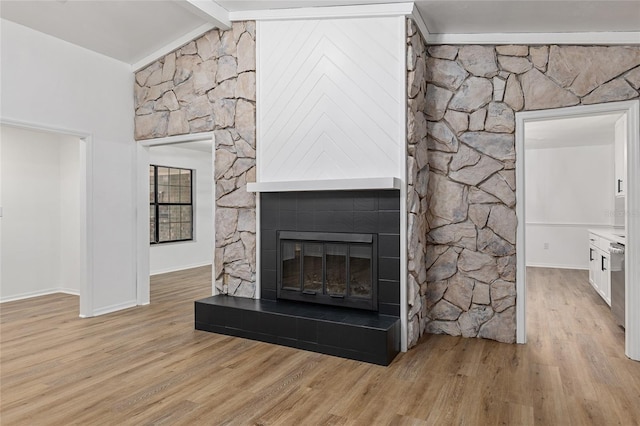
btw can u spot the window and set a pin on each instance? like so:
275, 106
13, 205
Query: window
171, 204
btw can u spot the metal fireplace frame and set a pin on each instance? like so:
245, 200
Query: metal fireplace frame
323, 298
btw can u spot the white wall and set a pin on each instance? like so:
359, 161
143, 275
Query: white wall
40, 199
568, 191
331, 99
182, 255
49, 82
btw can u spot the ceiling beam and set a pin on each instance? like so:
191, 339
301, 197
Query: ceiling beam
605, 38
209, 10
325, 12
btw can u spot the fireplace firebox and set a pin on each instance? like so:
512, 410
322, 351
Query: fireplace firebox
337, 269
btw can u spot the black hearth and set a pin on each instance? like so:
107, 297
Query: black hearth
328, 268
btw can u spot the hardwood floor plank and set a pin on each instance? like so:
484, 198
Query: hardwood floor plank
147, 365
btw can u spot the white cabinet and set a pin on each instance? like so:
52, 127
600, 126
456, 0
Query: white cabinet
621, 156
599, 266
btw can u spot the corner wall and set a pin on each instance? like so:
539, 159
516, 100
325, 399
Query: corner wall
473, 93
210, 84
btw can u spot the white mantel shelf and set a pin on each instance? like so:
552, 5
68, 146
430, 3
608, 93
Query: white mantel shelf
326, 185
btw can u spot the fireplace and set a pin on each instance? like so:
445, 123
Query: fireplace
328, 268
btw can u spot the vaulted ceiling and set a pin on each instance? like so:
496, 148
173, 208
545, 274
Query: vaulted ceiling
131, 30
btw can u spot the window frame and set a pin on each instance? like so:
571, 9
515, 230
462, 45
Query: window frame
156, 204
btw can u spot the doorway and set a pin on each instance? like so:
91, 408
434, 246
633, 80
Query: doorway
628, 216
187, 152
44, 236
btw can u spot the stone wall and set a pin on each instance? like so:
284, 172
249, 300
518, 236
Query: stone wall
472, 95
209, 84
417, 184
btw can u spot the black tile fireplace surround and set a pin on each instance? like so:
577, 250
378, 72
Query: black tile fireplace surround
371, 334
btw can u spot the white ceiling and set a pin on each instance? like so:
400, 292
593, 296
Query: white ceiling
130, 30
571, 132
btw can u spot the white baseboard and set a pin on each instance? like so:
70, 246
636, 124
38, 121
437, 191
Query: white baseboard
114, 308
179, 268
45, 292
549, 265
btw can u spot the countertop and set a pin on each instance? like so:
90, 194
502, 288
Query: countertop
612, 234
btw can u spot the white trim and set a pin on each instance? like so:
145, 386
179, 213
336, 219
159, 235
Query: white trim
85, 260
209, 10
556, 266
404, 241
258, 291
355, 11
177, 43
38, 293
114, 308
169, 140
180, 268
537, 38
326, 185
572, 225
417, 18
632, 255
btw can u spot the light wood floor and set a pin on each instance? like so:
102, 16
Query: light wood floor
147, 365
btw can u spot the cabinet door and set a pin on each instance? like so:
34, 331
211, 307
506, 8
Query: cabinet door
593, 265
621, 156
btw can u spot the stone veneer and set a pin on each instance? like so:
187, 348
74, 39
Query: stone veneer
472, 95
417, 183
206, 85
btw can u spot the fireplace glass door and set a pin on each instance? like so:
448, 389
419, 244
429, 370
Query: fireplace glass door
334, 269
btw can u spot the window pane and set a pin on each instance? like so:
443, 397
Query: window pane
174, 177
174, 194
152, 224
185, 231
185, 178
186, 214
163, 176
163, 194
312, 267
163, 212
174, 213
185, 194
152, 184
165, 232
175, 231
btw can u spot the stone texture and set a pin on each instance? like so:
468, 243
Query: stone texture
442, 137
513, 95
500, 146
473, 175
448, 201
444, 266
437, 100
479, 266
479, 213
478, 196
500, 118
457, 234
460, 291
246, 86
633, 77
542, 93
502, 220
169, 67
481, 294
474, 93
448, 74
502, 327
470, 322
178, 123
245, 122
476, 120
464, 157
615, 90
443, 327
539, 57
498, 187
443, 52
444, 310
152, 125
513, 50
479, 60
458, 121
498, 89
490, 243
514, 64
227, 68
583, 68
503, 295
439, 161
246, 53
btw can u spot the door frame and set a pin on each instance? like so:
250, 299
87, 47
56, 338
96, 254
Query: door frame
86, 205
142, 218
632, 213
